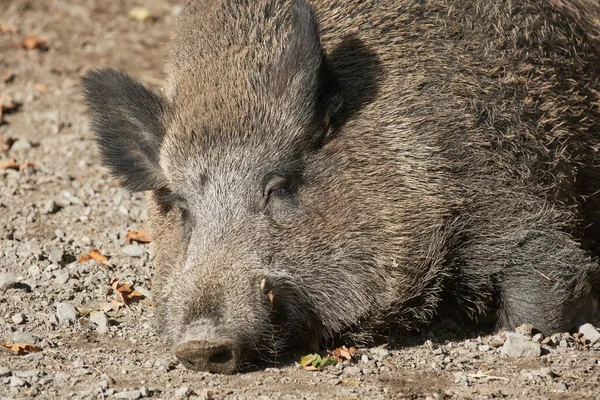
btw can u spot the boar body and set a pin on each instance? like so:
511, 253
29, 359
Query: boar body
350, 168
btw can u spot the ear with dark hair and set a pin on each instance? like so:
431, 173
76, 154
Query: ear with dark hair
128, 121
304, 72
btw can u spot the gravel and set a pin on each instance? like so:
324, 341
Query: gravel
68, 205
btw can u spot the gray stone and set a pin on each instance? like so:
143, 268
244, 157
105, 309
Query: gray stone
133, 250
183, 391
7, 281
352, 370
21, 144
15, 381
56, 254
61, 277
66, 313
590, 333
101, 320
50, 207
538, 337
34, 270
144, 391
25, 337
131, 395
35, 356
4, 371
380, 353
18, 318
518, 347
27, 374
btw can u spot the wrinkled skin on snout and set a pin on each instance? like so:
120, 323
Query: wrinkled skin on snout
330, 171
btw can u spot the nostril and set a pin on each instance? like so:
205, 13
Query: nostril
220, 356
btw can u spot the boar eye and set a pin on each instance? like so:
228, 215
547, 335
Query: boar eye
277, 188
169, 199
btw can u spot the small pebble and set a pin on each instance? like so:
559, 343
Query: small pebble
66, 313
183, 391
352, 370
590, 333
7, 281
101, 320
21, 144
61, 277
133, 250
517, 347
15, 381
18, 318
56, 254
24, 337
50, 207
130, 395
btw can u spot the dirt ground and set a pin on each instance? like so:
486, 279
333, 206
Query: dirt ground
63, 205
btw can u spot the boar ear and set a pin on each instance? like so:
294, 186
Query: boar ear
127, 120
304, 71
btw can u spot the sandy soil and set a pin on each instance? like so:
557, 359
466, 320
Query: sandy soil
65, 205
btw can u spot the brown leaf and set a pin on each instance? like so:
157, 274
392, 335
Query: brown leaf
5, 27
126, 293
93, 255
9, 164
343, 353
141, 236
114, 305
33, 42
21, 348
27, 164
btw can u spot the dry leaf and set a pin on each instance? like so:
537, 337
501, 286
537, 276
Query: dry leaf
93, 255
21, 348
5, 27
26, 164
114, 305
40, 88
342, 353
33, 42
141, 236
126, 293
140, 14
9, 164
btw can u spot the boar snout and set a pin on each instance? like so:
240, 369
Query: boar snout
218, 356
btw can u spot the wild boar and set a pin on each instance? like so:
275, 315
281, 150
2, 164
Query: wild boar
346, 169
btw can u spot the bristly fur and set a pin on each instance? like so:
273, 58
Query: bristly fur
344, 167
